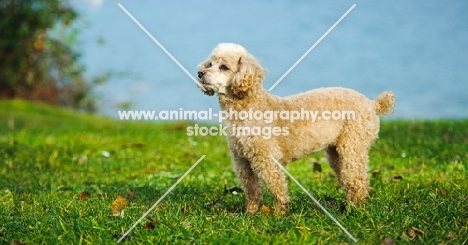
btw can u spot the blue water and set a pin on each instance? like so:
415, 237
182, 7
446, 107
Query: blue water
417, 49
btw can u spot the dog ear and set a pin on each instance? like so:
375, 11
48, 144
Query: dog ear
249, 74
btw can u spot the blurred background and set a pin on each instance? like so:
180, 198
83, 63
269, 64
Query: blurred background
90, 55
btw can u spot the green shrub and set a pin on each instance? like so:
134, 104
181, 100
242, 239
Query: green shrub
34, 65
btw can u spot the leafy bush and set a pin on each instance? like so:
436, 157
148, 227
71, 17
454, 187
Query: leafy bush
33, 64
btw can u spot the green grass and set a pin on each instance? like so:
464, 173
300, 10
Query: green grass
50, 159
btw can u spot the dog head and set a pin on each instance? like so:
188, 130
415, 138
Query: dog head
230, 70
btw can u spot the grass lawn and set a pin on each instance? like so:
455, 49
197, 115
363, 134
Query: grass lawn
61, 172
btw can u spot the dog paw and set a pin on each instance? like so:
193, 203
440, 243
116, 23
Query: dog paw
252, 208
280, 209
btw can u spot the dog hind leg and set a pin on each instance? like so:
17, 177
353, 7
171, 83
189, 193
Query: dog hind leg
350, 166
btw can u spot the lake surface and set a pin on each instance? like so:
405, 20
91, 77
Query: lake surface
417, 49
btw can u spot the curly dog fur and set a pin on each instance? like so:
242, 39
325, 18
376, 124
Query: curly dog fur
236, 76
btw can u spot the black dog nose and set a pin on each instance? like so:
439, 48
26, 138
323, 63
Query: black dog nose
200, 74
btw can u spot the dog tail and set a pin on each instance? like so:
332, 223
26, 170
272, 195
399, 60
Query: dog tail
384, 103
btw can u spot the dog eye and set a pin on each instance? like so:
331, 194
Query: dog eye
208, 65
223, 67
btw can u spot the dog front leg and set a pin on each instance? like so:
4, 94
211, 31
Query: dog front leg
274, 179
250, 183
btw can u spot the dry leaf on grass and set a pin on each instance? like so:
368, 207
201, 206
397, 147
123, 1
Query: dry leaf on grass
441, 191
149, 225
387, 241
118, 206
414, 232
84, 195
266, 209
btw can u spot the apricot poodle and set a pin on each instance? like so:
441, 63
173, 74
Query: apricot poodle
236, 76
